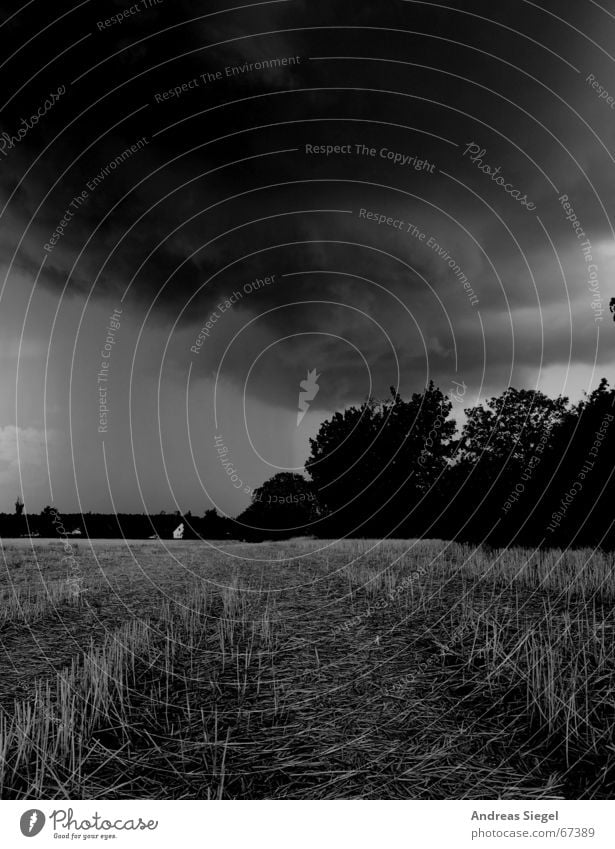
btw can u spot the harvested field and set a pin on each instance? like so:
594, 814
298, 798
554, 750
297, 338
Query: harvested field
305, 669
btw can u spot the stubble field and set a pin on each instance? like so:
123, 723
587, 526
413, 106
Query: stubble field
305, 669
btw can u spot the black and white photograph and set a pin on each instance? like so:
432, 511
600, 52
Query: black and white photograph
307, 421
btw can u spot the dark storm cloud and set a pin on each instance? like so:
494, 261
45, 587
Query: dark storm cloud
183, 239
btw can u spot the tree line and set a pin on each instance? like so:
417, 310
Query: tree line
51, 524
523, 469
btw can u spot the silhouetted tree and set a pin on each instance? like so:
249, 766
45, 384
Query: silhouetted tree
578, 507
214, 526
503, 452
376, 466
17, 525
285, 505
47, 523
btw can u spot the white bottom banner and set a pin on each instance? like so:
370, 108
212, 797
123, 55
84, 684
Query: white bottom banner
298, 824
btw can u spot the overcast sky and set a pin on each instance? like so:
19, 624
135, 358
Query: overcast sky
174, 174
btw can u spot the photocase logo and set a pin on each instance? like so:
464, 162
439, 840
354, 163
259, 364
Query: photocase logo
309, 391
32, 822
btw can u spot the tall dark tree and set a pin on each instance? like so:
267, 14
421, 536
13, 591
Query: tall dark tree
285, 505
48, 523
579, 508
503, 452
215, 526
375, 466
17, 525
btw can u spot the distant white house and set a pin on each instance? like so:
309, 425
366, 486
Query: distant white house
178, 533
75, 533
